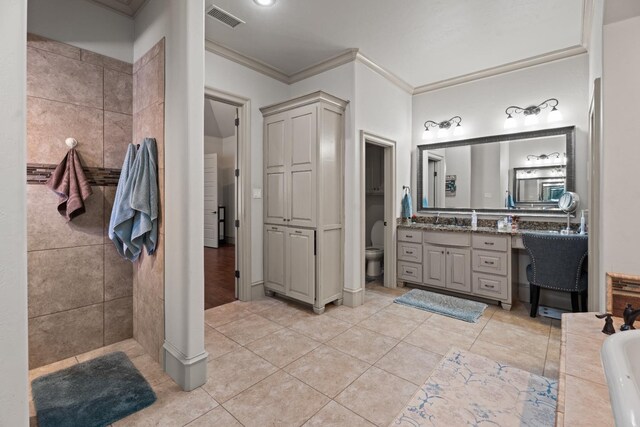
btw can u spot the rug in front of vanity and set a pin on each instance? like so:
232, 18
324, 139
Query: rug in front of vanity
90, 394
446, 305
468, 389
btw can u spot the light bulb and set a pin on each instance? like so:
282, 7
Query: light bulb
442, 132
458, 130
554, 116
510, 123
427, 134
531, 119
265, 2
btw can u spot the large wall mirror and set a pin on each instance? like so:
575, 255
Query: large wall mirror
526, 172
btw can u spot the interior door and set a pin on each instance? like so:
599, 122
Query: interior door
458, 271
434, 265
211, 200
302, 171
301, 266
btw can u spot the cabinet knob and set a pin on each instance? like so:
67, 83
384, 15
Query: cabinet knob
214, 212
284, 219
442, 252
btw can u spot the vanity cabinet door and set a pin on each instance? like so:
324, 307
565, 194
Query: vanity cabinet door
434, 265
274, 261
458, 269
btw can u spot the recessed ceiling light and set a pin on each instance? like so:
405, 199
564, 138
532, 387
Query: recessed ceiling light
265, 2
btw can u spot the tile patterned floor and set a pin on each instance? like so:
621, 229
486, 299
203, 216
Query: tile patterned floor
275, 363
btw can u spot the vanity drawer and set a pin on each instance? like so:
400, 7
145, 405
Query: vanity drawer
490, 262
410, 252
490, 286
410, 272
489, 243
452, 238
411, 236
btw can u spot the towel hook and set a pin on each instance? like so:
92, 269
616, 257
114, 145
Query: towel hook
71, 142
406, 188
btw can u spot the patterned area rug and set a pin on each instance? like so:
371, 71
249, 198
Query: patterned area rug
458, 308
471, 390
93, 393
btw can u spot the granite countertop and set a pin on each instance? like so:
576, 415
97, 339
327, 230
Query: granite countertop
484, 227
583, 394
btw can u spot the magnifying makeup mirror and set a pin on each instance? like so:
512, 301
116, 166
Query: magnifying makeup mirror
568, 203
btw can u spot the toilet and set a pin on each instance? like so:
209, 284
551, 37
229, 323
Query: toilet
374, 253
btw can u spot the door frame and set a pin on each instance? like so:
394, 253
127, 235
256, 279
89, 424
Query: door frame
389, 147
439, 168
243, 212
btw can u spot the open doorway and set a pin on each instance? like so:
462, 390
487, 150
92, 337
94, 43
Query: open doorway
220, 202
377, 217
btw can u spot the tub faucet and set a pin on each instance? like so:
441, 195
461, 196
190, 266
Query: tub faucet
630, 315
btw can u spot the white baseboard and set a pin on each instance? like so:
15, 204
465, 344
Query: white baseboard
187, 373
353, 297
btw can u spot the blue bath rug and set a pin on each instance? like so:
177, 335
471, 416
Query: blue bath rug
94, 393
458, 308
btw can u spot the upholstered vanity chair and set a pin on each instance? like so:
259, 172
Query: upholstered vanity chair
558, 262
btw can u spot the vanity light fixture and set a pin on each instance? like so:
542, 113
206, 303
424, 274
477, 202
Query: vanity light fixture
265, 3
547, 158
531, 113
443, 127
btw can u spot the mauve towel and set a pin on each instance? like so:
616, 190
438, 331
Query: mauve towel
69, 182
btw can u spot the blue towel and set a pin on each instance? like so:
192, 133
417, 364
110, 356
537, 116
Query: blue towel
425, 202
121, 222
509, 202
405, 211
144, 197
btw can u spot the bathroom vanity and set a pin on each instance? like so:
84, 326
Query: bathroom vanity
457, 260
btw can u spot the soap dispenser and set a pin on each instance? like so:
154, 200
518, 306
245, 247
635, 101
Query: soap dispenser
583, 224
474, 221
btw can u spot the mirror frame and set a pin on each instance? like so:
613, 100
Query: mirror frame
570, 138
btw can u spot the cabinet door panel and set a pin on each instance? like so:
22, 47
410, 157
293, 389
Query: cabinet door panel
302, 168
458, 269
434, 266
302, 200
274, 258
301, 268
275, 206
275, 141
303, 136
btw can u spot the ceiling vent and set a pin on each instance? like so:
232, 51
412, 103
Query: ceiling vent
225, 17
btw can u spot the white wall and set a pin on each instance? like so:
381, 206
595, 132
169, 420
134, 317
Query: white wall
13, 215
595, 43
227, 76
481, 105
182, 24
620, 197
83, 24
383, 109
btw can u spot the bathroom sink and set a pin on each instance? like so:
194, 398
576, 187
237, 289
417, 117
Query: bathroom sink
621, 360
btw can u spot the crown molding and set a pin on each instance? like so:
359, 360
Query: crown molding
505, 68
247, 61
385, 73
345, 57
351, 55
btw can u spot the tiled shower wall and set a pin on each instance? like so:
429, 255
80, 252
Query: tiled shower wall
148, 282
80, 290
